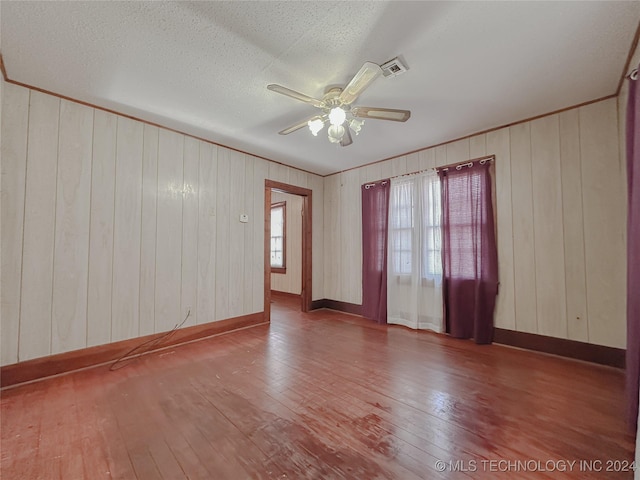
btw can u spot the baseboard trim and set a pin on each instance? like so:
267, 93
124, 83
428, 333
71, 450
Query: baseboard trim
318, 304
614, 357
346, 307
43, 367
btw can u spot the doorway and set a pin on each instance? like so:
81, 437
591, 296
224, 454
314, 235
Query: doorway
306, 285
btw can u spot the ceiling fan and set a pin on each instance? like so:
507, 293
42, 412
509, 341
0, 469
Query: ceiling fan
337, 109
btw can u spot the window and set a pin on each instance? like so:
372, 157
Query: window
415, 226
278, 237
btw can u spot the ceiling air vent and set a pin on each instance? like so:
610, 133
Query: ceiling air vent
393, 67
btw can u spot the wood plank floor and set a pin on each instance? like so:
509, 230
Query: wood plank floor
322, 395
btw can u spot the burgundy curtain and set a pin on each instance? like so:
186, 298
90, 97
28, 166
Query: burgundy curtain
469, 252
633, 252
375, 223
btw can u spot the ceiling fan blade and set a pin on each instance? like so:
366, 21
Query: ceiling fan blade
295, 127
381, 113
297, 95
367, 74
346, 138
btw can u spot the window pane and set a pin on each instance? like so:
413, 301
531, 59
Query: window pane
404, 240
276, 259
405, 262
276, 221
277, 236
433, 263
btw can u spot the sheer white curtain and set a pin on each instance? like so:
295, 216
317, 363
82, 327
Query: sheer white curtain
414, 273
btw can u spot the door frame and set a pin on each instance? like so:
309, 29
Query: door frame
306, 194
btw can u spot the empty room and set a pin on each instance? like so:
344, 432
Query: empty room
319, 240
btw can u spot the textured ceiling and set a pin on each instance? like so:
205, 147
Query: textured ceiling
203, 67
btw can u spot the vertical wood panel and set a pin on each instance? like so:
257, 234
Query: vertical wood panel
413, 162
236, 230
315, 183
126, 236
188, 297
169, 228
351, 229
428, 159
458, 151
523, 234
103, 181
477, 146
279, 173
440, 156
298, 177
345, 239
260, 172
69, 317
207, 186
39, 222
15, 125
498, 144
574, 261
332, 257
398, 166
250, 247
370, 173
267, 267
604, 204
385, 169
222, 235
148, 230
548, 226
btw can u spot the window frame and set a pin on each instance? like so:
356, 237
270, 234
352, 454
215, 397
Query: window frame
283, 268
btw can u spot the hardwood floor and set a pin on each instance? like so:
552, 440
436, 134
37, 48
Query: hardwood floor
322, 395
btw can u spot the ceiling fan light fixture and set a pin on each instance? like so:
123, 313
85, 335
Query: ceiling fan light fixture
337, 108
335, 133
356, 125
337, 116
315, 125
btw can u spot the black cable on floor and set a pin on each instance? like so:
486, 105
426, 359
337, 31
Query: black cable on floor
129, 356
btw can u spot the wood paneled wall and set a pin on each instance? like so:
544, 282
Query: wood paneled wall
291, 281
561, 218
113, 229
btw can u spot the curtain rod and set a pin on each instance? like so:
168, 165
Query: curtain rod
369, 185
459, 166
469, 164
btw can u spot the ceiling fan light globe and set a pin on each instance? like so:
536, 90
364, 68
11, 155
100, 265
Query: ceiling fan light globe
337, 116
315, 125
335, 133
356, 125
